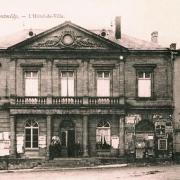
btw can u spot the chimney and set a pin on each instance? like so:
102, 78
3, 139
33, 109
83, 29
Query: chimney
118, 27
173, 46
154, 37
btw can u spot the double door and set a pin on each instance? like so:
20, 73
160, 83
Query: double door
68, 142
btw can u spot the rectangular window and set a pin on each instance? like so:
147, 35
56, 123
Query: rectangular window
103, 83
162, 144
67, 83
144, 84
31, 83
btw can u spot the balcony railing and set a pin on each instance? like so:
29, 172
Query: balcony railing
68, 100
105, 100
30, 100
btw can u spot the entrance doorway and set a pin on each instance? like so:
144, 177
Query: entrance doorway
67, 136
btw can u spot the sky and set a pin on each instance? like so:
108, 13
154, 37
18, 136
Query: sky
138, 17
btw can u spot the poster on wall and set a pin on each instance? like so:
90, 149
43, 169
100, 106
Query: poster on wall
42, 141
20, 143
115, 142
1, 136
4, 143
4, 147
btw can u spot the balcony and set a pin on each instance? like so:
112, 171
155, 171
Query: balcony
30, 100
88, 101
67, 100
105, 100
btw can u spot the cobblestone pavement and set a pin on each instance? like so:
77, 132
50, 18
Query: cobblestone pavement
164, 172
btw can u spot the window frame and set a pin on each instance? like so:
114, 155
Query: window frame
109, 78
165, 149
145, 68
31, 134
74, 77
30, 69
104, 128
146, 79
31, 78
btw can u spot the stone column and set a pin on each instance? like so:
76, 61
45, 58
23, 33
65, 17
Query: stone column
85, 78
49, 77
49, 132
12, 77
121, 136
121, 78
12, 136
85, 136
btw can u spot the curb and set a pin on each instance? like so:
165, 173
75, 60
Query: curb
36, 169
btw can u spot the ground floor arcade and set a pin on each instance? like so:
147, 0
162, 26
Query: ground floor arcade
140, 133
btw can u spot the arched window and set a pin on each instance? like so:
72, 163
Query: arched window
103, 135
31, 134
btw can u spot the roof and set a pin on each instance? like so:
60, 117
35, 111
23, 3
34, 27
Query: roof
125, 41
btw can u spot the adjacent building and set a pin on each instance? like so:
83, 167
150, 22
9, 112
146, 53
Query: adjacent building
103, 91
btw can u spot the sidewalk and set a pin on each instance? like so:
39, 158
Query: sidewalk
37, 169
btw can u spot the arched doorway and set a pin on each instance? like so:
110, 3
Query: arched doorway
67, 136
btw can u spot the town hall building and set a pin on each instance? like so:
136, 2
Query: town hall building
105, 91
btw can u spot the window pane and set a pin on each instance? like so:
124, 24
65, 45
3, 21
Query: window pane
103, 87
63, 138
35, 131
144, 88
35, 138
67, 87
147, 75
70, 87
64, 74
34, 74
106, 74
35, 144
28, 138
64, 87
34, 124
31, 87
71, 74
28, 131
99, 74
140, 74
28, 74
103, 135
162, 145
28, 144
28, 124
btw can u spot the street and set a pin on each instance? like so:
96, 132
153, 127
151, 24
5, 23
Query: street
168, 172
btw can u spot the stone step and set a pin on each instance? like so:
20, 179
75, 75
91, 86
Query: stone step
70, 162
80, 162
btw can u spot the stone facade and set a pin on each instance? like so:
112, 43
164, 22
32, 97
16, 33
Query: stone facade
78, 116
